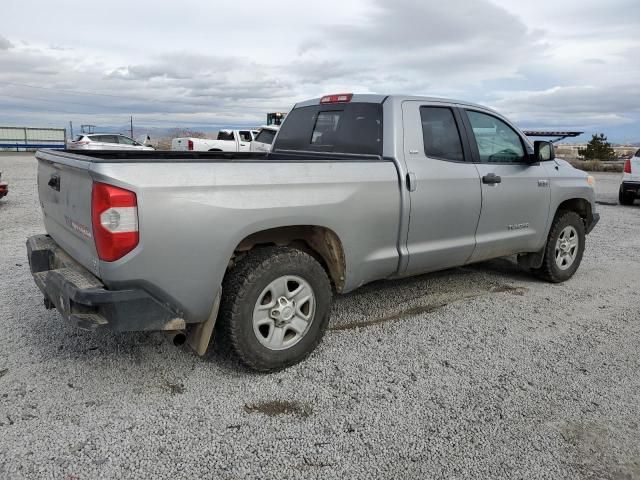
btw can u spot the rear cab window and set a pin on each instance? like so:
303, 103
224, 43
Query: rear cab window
266, 136
337, 128
226, 135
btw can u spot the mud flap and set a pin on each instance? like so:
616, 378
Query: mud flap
199, 337
531, 260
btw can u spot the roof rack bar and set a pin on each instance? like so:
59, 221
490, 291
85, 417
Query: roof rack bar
560, 134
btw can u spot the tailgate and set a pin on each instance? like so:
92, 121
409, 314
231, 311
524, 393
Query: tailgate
64, 187
180, 144
635, 169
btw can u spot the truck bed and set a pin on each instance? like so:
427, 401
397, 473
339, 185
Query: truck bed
171, 156
195, 208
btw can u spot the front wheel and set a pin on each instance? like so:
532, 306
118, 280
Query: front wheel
564, 249
275, 307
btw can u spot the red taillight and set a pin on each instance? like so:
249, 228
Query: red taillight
114, 215
627, 166
338, 98
190, 145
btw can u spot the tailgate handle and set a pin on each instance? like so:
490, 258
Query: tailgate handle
54, 182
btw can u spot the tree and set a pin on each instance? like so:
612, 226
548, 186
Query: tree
598, 149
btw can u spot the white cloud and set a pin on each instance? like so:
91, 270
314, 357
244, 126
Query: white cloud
546, 63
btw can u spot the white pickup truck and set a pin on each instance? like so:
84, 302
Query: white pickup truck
226, 141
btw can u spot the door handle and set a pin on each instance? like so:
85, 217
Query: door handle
491, 179
54, 182
411, 181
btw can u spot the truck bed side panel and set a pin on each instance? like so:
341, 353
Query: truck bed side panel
193, 215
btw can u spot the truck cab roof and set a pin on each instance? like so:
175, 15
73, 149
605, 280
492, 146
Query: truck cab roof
380, 98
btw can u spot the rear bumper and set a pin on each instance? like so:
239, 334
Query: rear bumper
629, 187
84, 301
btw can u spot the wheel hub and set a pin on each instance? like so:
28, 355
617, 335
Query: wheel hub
566, 248
284, 311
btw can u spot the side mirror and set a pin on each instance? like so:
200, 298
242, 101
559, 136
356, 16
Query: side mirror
543, 151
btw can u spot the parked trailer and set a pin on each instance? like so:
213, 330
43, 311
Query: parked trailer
27, 138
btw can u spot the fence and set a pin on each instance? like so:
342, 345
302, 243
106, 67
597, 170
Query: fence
25, 138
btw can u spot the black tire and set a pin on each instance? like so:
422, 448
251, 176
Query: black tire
625, 198
550, 271
243, 285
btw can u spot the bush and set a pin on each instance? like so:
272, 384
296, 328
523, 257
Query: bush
598, 149
596, 166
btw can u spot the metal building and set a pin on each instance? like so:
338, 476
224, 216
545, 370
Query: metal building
20, 139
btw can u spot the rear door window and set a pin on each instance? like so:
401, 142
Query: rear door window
341, 128
440, 134
105, 138
245, 136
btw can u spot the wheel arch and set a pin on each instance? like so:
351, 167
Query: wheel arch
581, 206
320, 242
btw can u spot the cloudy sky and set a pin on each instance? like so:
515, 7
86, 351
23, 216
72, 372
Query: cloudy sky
546, 64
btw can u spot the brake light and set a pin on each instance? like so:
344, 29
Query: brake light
627, 166
338, 98
189, 144
114, 215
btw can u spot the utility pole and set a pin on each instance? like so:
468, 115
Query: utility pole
71, 128
132, 126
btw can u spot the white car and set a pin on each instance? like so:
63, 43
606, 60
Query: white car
264, 139
226, 141
105, 141
630, 187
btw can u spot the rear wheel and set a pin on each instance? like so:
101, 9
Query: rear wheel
625, 198
275, 307
564, 249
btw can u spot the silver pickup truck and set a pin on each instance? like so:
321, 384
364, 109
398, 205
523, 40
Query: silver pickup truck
357, 188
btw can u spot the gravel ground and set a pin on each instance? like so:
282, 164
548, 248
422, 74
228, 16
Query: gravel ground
478, 372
